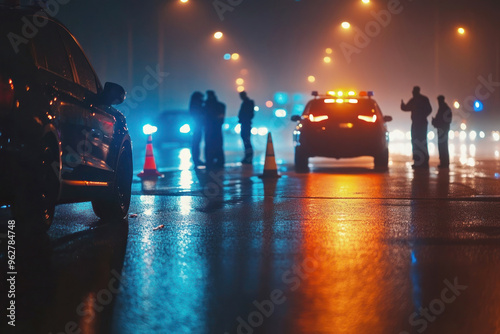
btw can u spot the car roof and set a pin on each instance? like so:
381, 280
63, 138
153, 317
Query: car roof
9, 12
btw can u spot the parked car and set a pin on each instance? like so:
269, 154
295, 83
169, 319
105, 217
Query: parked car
341, 125
61, 141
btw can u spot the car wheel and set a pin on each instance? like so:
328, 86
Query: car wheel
301, 160
116, 205
37, 192
381, 161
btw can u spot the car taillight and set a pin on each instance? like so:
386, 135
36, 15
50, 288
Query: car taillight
6, 93
369, 119
315, 119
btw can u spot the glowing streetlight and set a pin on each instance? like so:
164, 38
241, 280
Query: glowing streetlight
184, 1
235, 56
311, 78
456, 104
329, 51
240, 81
218, 35
240, 89
365, 1
461, 31
327, 60
345, 25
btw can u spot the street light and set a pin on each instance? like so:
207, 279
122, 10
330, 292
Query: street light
346, 25
235, 56
365, 1
184, 1
311, 79
218, 34
461, 31
327, 60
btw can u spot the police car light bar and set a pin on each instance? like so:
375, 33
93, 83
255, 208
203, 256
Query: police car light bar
369, 93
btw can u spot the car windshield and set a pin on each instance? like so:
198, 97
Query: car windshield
341, 111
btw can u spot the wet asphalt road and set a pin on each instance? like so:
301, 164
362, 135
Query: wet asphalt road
343, 249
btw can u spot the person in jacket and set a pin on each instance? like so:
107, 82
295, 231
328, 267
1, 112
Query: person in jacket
442, 123
215, 112
245, 117
198, 117
420, 109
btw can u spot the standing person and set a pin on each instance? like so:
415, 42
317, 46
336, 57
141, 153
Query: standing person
197, 115
245, 117
215, 112
420, 108
442, 123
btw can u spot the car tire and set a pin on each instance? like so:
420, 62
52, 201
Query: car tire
38, 188
301, 161
381, 161
117, 203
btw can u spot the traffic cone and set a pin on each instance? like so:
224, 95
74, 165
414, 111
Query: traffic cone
150, 164
270, 168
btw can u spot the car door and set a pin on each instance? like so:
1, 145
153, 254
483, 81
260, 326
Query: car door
98, 158
58, 86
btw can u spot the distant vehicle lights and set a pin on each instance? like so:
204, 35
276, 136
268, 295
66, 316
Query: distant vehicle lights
185, 129
149, 129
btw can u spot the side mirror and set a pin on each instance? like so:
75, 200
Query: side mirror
296, 118
112, 94
387, 119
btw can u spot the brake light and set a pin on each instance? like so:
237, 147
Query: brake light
369, 119
316, 119
6, 93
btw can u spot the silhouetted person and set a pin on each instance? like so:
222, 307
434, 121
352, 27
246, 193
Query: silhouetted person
245, 117
442, 123
215, 112
420, 108
198, 116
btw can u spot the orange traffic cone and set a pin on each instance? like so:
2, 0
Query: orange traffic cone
270, 168
150, 164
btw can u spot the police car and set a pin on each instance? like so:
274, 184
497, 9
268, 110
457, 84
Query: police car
341, 125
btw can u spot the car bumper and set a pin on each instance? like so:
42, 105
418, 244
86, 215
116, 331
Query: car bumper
342, 144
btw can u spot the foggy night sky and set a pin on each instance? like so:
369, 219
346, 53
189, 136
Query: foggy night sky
282, 42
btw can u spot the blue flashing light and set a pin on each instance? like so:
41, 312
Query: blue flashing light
478, 106
227, 56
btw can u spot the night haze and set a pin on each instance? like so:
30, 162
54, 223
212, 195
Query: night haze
250, 166
282, 42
